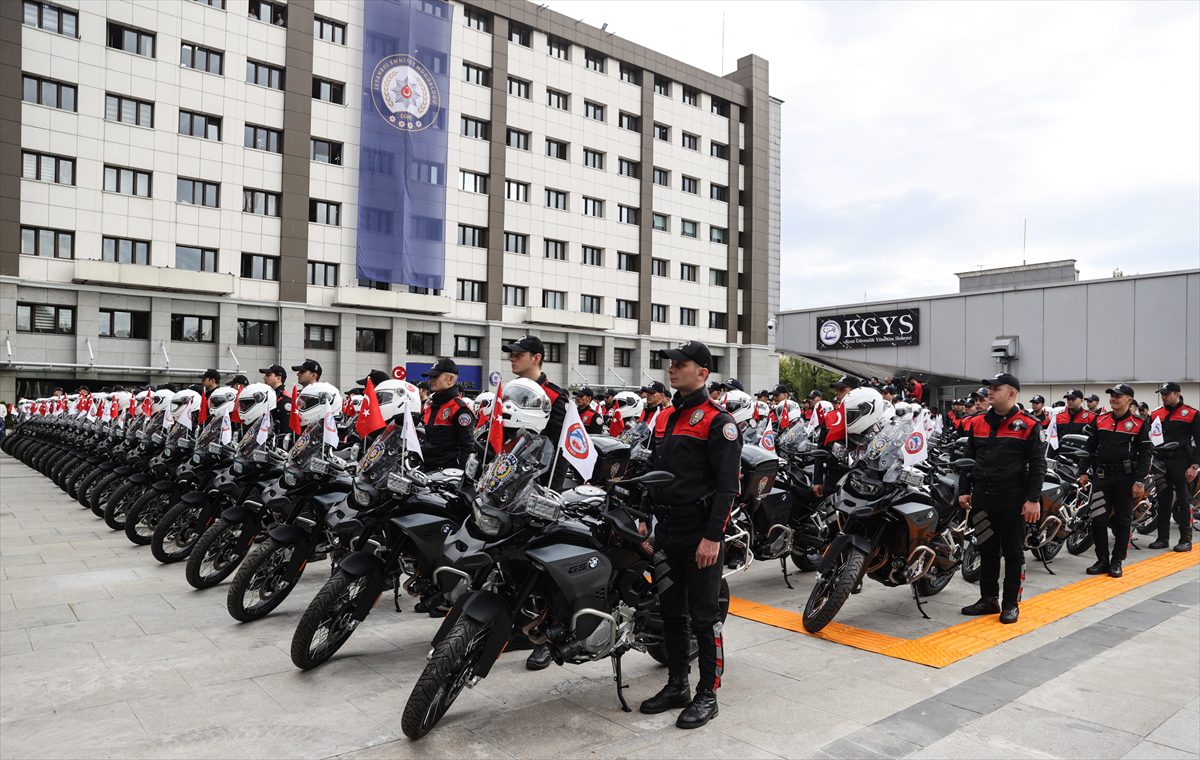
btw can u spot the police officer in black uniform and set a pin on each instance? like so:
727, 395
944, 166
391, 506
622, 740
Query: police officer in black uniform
656, 398
275, 376
1073, 420
697, 441
1037, 410
1003, 492
591, 420
1180, 424
449, 422
1119, 449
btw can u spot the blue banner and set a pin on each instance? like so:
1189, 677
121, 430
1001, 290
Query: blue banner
469, 377
403, 139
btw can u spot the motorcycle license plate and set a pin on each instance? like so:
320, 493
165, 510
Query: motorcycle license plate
260, 455
317, 467
215, 448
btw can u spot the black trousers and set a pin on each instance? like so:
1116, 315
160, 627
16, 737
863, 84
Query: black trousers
1175, 499
1118, 497
691, 598
1000, 531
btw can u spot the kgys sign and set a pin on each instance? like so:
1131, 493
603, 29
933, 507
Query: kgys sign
865, 329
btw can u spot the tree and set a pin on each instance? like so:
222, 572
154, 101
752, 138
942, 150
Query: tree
802, 376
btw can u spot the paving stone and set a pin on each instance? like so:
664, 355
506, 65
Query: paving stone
1181, 731
1148, 750
982, 694
923, 723
1100, 704
14, 642
72, 634
774, 724
1050, 733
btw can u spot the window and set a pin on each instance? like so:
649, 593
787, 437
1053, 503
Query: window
556, 199
690, 185
264, 74
555, 249
195, 259
51, 18
515, 242
264, 138
558, 47
688, 228
124, 324
687, 317
201, 58
197, 192
590, 304
517, 139
199, 125
320, 337
627, 214
593, 256
256, 332
126, 250
212, 3
43, 318
429, 172
467, 346
688, 272
516, 191
718, 150
717, 320
557, 149
422, 343
257, 266
260, 202
718, 192
43, 241
48, 92
472, 182
45, 167
476, 74
627, 309
594, 61
662, 86
471, 290
628, 168
325, 151
718, 234
473, 237
630, 74
329, 91
662, 132
716, 364
593, 207
193, 329
120, 179
374, 284
329, 30
658, 268
473, 18
720, 107
589, 355
691, 97
519, 88
269, 11
554, 299
691, 142
477, 129
372, 340
593, 111
718, 278
658, 313
553, 353
128, 110
593, 158
662, 177
520, 34
130, 40
628, 262
324, 212
322, 274
660, 222
623, 357
514, 295
629, 121
558, 99
656, 361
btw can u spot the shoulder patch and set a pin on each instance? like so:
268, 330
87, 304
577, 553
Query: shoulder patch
1184, 412
729, 430
464, 419
696, 417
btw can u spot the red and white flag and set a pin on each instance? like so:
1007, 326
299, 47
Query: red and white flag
1052, 432
1156, 432
329, 433
411, 442
264, 430
767, 439
576, 445
496, 426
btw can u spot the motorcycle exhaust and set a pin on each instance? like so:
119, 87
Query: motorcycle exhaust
1047, 531
1140, 510
781, 544
920, 562
741, 539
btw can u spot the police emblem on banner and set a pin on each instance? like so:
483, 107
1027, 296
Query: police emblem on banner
577, 444
405, 93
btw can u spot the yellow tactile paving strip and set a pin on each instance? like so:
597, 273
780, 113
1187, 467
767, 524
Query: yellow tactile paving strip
957, 642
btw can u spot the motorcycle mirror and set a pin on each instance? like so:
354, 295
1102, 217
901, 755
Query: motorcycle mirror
1168, 446
963, 464
654, 478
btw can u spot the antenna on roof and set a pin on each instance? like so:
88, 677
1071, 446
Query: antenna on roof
1024, 239
604, 26
722, 43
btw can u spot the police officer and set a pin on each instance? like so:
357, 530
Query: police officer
210, 381
1093, 404
1119, 449
656, 398
307, 372
591, 419
697, 441
716, 391
275, 376
1181, 424
1004, 492
1037, 410
1071, 420
449, 421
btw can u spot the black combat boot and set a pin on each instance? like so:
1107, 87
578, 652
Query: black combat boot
1161, 543
702, 709
985, 606
1098, 568
1009, 614
1185, 541
539, 658
1115, 570
677, 693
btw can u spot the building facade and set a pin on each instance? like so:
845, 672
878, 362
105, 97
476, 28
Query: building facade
180, 192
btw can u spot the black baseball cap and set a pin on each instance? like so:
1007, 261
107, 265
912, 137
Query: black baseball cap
585, 391
530, 343
312, 365
211, 374
239, 379
1120, 389
975, 395
423, 385
1169, 387
609, 392
1073, 393
715, 386
814, 393
888, 389
692, 351
846, 381
654, 387
735, 383
445, 364
1038, 400
781, 388
763, 392
1092, 397
1002, 378
376, 376
275, 369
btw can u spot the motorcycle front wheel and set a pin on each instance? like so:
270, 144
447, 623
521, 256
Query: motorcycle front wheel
177, 532
1048, 551
217, 553
143, 517
118, 504
934, 581
444, 677
971, 567
329, 620
263, 581
1080, 539
833, 588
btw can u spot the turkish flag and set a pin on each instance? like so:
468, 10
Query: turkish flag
234, 417
370, 418
835, 425
496, 426
617, 426
784, 421
294, 417
148, 405
203, 408
132, 406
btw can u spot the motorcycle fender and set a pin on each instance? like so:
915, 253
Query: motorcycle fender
581, 574
237, 514
164, 486
482, 607
288, 534
108, 466
140, 478
427, 532
862, 543
365, 565
194, 498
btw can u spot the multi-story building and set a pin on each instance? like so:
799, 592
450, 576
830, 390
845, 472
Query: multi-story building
180, 182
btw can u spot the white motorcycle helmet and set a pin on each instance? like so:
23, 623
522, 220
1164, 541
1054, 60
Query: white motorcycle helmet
629, 405
185, 402
484, 403
317, 400
256, 400
220, 401
764, 409
740, 405
72, 402
525, 405
904, 410
121, 399
396, 397
162, 397
864, 408
824, 407
99, 406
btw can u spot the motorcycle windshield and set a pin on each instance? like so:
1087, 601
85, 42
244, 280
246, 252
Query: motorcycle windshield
635, 434
249, 442
795, 439
382, 456
514, 472
177, 433
885, 452
307, 445
210, 432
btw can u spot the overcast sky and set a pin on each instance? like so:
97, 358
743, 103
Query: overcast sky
918, 136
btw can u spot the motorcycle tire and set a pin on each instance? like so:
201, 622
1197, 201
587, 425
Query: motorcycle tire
263, 575
145, 514
1148, 524
176, 533
934, 581
1080, 540
1048, 551
96, 491
75, 477
217, 553
972, 568
118, 503
829, 594
330, 612
806, 558
444, 677
659, 651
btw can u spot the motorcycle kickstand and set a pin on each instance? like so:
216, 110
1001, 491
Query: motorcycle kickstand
917, 599
1046, 564
783, 567
616, 666
396, 592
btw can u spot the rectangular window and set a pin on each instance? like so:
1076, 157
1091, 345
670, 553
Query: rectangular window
467, 346
515, 242
48, 92
256, 332
554, 299
691, 97
476, 129
264, 75
558, 149
687, 228
257, 266
130, 40
473, 18
514, 295
662, 177
558, 47
516, 191
322, 337
193, 329
472, 182
593, 158
720, 107
660, 222
623, 357
593, 207
429, 172
517, 139
329, 91
662, 132
476, 74
520, 34
553, 353
125, 250
50, 243
374, 284
558, 99
121, 179
594, 60
471, 290
688, 272
554, 249
717, 320
322, 274
718, 278
199, 125
195, 259
628, 168
690, 185
590, 304
44, 318
114, 323
718, 234
372, 340
51, 18
269, 11
260, 202
556, 199
589, 355
423, 343
718, 150
687, 317
519, 88
472, 237
691, 142
658, 313
329, 30
658, 268
593, 256
629, 121
325, 151
264, 138
593, 111
627, 214
630, 74
662, 86
45, 167
324, 212
201, 58
627, 309
656, 361
628, 262
211, 3
718, 192
128, 110
197, 192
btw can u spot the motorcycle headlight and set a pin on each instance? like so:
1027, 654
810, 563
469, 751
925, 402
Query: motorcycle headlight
488, 525
196, 458
362, 497
238, 468
289, 479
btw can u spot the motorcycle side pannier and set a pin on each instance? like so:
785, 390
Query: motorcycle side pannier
612, 459
758, 472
